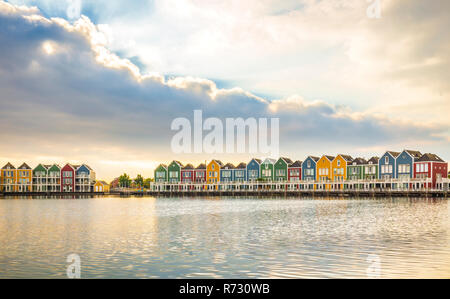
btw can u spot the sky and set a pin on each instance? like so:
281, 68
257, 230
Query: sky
102, 86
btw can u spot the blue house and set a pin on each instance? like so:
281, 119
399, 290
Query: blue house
387, 165
405, 164
309, 168
239, 173
226, 173
253, 170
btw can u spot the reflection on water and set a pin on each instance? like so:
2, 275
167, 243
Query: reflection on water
224, 238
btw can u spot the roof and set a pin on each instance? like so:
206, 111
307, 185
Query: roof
296, 164
314, 158
347, 158
241, 165
218, 162
177, 162
286, 160
331, 158
24, 166
393, 154
273, 161
201, 166
359, 161
8, 166
374, 160
188, 167
257, 160
162, 165
103, 183
228, 166
415, 154
430, 157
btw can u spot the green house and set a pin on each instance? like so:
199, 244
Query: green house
281, 169
267, 170
40, 178
53, 178
370, 170
355, 169
161, 174
174, 171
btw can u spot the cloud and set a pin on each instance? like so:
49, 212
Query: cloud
64, 94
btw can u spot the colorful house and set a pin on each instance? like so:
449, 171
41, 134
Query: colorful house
355, 169
405, 164
200, 173
174, 171
239, 172
40, 183
370, 170
101, 186
24, 178
9, 178
339, 166
431, 166
161, 173
387, 165
84, 178
253, 170
53, 178
281, 169
213, 171
267, 170
68, 178
295, 171
309, 168
187, 174
324, 168
226, 173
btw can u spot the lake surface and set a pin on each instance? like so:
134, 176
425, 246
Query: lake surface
225, 238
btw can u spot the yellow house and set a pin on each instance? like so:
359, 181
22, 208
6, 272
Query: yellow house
339, 166
324, 171
8, 178
101, 186
213, 172
24, 178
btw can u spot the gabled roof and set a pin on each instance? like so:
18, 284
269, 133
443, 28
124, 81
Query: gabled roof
296, 164
358, 161
241, 165
46, 167
331, 158
393, 154
257, 161
162, 165
177, 162
218, 162
201, 166
24, 166
314, 158
428, 157
272, 161
415, 154
188, 167
374, 160
54, 165
347, 158
286, 160
103, 183
8, 166
228, 166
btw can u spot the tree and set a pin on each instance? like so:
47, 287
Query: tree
139, 180
147, 182
124, 180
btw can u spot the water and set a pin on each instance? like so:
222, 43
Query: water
225, 238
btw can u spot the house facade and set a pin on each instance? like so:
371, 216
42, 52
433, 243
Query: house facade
101, 186
9, 178
295, 171
430, 166
68, 178
254, 170
309, 167
24, 178
355, 169
227, 173
370, 170
40, 178
267, 170
405, 164
161, 174
387, 165
213, 171
187, 173
174, 171
339, 166
239, 172
84, 178
200, 173
281, 169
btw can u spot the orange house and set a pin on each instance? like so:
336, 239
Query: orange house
339, 166
213, 172
24, 178
324, 171
8, 178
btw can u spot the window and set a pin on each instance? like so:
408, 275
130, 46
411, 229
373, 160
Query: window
173, 174
339, 163
309, 164
226, 173
386, 160
212, 166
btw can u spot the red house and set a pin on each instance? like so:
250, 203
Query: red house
68, 178
295, 171
430, 166
200, 173
187, 174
